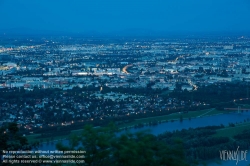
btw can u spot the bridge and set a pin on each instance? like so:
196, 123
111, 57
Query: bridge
239, 109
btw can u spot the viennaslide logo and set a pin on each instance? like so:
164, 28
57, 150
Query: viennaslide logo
236, 155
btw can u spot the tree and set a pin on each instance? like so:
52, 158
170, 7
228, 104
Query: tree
104, 147
181, 118
11, 140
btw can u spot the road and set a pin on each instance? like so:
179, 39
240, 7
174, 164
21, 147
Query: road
125, 69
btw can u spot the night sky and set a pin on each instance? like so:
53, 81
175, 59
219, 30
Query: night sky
121, 16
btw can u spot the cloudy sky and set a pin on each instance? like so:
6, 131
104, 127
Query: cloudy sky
117, 16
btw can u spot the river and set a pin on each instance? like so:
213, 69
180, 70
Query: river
224, 119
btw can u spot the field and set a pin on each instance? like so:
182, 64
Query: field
231, 131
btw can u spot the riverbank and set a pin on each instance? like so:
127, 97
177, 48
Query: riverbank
232, 131
145, 121
173, 117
